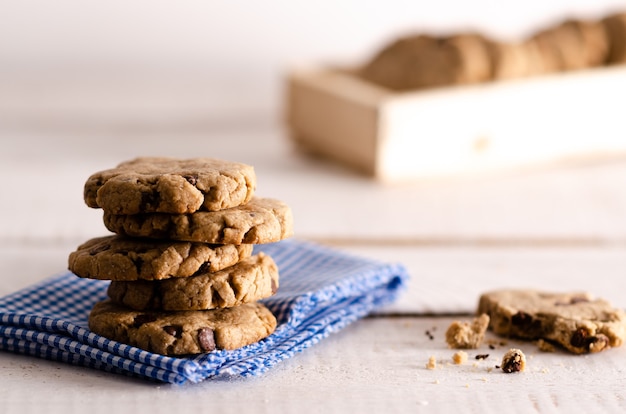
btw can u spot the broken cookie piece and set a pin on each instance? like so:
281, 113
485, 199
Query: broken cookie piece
432, 363
465, 335
513, 361
576, 321
459, 357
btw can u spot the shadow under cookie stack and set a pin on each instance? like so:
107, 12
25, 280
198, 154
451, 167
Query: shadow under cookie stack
184, 279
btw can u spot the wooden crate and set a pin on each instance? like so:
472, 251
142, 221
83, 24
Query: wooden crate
457, 130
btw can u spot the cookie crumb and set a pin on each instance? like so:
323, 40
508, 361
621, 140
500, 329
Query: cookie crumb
459, 357
513, 361
465, 335
432, 363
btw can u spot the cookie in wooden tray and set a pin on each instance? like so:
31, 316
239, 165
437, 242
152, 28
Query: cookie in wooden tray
250, 280
571, 45
424, 61
594, 41
615, 26
124, 258
511, 60
576, 321
183, 333
168, 185
262, 220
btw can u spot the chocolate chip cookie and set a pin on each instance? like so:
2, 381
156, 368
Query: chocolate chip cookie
166, 185
252, 279
124, 258
424, 61
576, 321
183, 333
615, 26
572, 45
511, 60
262, 220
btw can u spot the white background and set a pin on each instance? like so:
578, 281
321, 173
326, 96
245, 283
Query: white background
215, 60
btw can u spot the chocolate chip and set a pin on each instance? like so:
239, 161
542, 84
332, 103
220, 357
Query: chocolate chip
138, 262
511, 366
582, 339
482, 356
143, 319
174, 330
579, 338
148, 199
206, 339
521, 319
204, 268
513, 361
191, 179
532, 327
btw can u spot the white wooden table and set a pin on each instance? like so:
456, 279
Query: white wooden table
560, 227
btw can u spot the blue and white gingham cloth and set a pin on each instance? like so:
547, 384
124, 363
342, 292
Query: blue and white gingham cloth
321, 291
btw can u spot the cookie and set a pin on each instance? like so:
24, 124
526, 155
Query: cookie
595, 41
262, 220
552, 49
424, 61
124, 258
167, 185
510, 60
475, 58
183, 333
615, 26
576, 321
252, 279
572, 45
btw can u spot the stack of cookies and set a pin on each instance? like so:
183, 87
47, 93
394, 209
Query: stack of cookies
425, 61
184, 279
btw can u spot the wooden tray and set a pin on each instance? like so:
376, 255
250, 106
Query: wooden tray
457, 130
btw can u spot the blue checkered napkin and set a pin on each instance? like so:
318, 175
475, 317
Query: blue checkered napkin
321, 291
